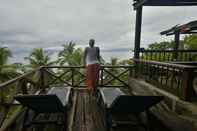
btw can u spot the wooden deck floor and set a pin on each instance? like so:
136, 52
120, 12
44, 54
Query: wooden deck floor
87, 116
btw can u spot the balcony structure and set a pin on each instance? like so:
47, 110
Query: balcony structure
153, 73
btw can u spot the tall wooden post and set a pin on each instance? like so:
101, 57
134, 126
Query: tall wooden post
138, 32
42, 83
176, 46
72, 75
138, 25
186, 88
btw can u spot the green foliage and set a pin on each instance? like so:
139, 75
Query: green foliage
39, 58
70, 55
161, 45
115, 61
116, 71
5, 53
7, 71
190, 42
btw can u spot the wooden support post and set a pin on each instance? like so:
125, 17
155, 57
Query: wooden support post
102, 73
1, 96
138, 32
137, 69
72, 76
176, 46
137, 37
130, 71
23, 85
186, 88
42, 83
2, 110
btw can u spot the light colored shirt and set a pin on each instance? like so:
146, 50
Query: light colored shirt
92, 55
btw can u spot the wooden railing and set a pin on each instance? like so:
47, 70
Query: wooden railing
43, 78
174, 78
28, 83
169, 55
110, 76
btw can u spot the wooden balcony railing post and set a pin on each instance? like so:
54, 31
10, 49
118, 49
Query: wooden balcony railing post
186, 84
23, 85
130, 71
42, 83
72, 77
136, 69
102, 73
1, 111
1, 96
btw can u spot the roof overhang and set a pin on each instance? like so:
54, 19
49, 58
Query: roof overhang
189, 28
138, 3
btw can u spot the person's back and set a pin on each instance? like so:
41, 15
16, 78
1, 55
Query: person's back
91, 61
92, 55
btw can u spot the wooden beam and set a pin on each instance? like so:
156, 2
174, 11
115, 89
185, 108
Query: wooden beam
138, 32
176, 46
139, 3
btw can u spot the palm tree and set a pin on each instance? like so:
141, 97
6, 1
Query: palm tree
68, 48
39, 58
70, 55
7, 71
5, 53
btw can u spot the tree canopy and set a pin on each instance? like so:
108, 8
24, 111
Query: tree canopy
70, 55
188, 42
39, 58
7, 71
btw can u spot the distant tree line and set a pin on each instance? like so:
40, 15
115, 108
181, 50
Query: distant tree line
72, 56
69, 56
188, 42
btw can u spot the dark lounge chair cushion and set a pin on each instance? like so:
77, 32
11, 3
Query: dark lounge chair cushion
125, 104
117, 101
54, 101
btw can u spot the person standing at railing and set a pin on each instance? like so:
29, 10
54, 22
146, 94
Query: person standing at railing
92, 64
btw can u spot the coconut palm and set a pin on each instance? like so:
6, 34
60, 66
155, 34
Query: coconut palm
70, 55
7, 71
5, 53
39, 58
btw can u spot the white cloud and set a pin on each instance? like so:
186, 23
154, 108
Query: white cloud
26, 24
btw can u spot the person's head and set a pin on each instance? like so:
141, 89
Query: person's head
91, 42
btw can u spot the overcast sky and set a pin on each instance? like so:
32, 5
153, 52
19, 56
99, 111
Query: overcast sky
26, 24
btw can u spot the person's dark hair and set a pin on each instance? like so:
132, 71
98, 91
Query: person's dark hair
91, 42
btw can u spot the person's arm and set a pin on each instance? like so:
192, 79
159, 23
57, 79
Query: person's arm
98, 56
84, 56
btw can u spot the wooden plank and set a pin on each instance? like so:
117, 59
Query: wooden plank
87, 114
